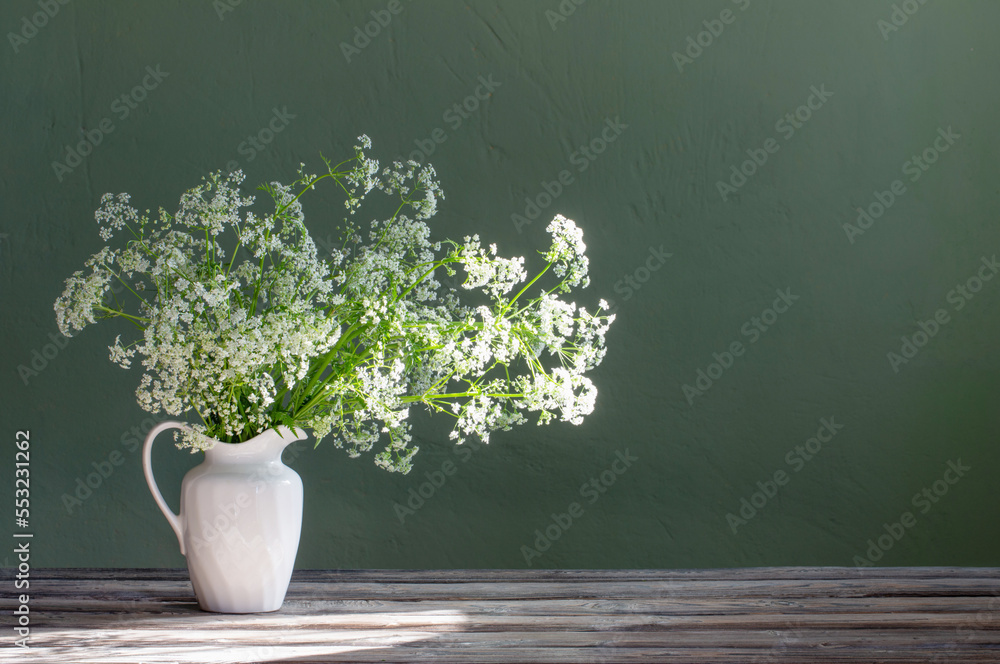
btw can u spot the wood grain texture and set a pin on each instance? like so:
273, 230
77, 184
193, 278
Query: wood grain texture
780, 615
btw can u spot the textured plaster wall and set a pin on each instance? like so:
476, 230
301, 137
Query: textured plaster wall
692, 86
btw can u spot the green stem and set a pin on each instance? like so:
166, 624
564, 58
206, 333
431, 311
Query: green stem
327, 359
526, 287
122, 313
459, 395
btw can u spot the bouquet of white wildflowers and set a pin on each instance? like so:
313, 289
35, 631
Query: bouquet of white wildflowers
271, 333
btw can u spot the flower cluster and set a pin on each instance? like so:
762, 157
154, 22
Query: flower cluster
272, 333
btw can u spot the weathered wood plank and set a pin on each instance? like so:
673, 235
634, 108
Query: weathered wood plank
242, 653
68, 609
464, 575
801, 615
442, 619
454, 631
777, 588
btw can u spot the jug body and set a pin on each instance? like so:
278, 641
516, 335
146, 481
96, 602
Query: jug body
240, 521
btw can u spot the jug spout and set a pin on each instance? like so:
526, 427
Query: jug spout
263, 448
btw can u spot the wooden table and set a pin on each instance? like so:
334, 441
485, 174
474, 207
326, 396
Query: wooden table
800, 615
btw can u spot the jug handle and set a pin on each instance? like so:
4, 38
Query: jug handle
147, 469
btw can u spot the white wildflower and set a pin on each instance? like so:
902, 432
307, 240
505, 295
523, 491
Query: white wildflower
266, 331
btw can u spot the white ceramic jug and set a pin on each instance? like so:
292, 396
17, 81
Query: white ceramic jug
239, 521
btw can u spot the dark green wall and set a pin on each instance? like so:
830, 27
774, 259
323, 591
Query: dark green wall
655, 188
